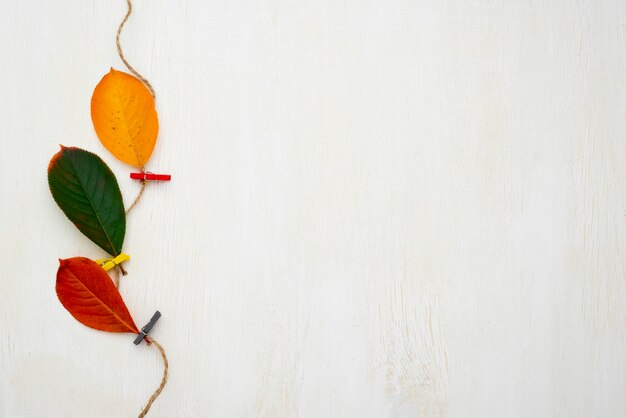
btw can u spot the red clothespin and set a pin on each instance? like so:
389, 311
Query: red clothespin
148, 176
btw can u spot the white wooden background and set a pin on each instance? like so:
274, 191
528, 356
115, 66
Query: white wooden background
378, 209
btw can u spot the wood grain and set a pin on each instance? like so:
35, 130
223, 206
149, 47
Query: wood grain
378, 209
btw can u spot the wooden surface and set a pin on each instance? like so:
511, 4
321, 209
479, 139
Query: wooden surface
378, 209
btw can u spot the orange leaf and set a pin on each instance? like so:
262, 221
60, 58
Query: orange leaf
88, 293
124, 117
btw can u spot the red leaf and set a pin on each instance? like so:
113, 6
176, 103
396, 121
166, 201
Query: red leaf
88, 293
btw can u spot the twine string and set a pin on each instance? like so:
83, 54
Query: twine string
132, 205
158, 390
140, 77
121, 54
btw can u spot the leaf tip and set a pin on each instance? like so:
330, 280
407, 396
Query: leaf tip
54, 159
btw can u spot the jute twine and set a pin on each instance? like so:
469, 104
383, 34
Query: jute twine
119, 268
145, 81
132, 205
158, 391
140, 77
121, 54
159, 347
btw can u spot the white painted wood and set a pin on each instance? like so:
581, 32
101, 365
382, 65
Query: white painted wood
378, 209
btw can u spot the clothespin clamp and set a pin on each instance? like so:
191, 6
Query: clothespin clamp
145, 330
148, 176
108, 263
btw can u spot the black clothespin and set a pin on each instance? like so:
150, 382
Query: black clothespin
145, 330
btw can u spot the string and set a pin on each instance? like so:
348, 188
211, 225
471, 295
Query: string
121, 54
158, 390
140, 77
132, 205
116, 278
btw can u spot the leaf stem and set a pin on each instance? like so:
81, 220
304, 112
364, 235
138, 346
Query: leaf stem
124, 272
116, 278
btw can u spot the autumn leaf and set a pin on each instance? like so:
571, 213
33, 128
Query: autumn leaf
86, 190
124, 117
88, 293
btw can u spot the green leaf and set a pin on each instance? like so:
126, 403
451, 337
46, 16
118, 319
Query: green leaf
86, 190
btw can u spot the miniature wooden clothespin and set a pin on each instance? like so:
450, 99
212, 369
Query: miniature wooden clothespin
145, 330
108, 263
148, 176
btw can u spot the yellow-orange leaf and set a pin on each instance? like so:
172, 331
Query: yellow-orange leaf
124, 117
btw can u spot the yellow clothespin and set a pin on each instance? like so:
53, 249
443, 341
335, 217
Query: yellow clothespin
108, 263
